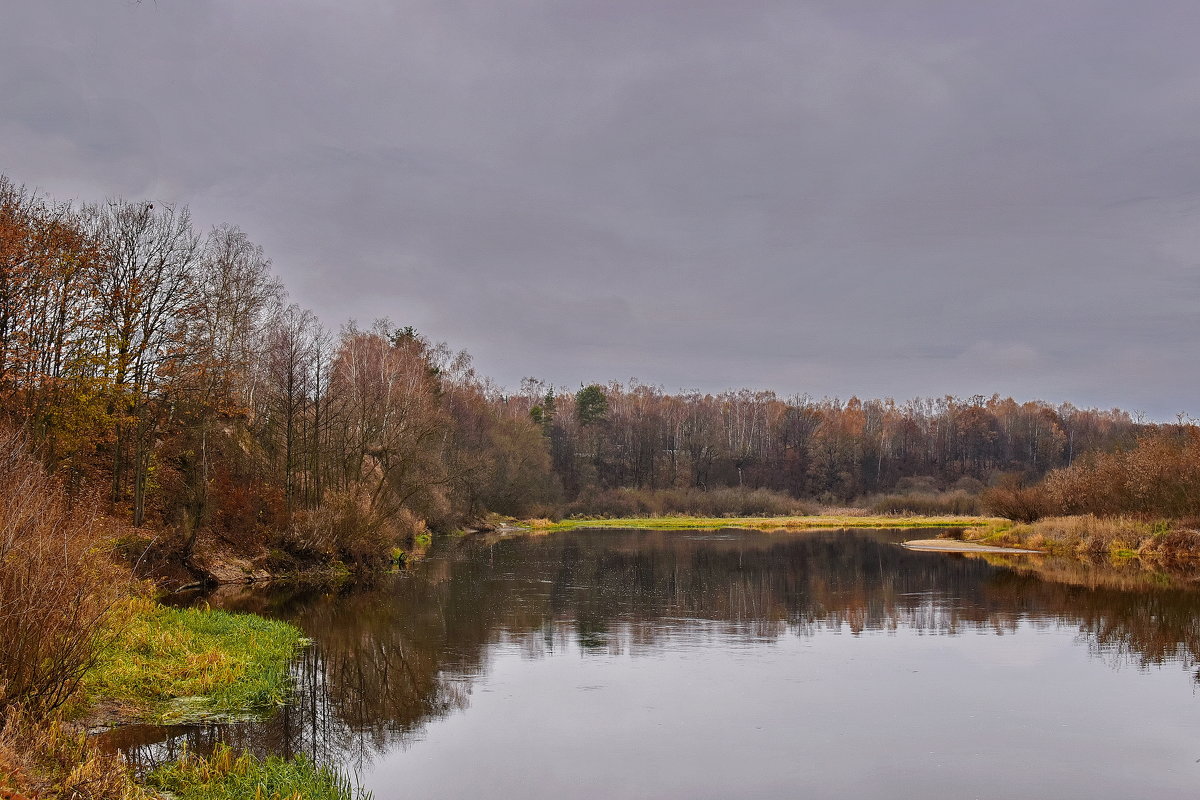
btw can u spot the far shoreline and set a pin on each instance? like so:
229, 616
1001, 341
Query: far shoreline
813, 522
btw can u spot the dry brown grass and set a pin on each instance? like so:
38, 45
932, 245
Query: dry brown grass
842, 511
48, 760
1092, 535
57, 584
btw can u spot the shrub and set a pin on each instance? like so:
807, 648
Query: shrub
57, 584
1160, 476
1016, 502
347, 528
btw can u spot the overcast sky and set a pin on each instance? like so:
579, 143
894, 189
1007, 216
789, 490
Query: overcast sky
891, 198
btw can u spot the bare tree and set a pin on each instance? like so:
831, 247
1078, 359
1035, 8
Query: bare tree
144, 287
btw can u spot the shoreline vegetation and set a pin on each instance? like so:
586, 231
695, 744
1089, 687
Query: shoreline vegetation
83, 645
226, 775
1084, 535
820, 521
163, 665
1088, 535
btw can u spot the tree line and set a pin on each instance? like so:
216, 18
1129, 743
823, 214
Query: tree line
161, 370
637, 436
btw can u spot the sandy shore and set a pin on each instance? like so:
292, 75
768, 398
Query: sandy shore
955, 546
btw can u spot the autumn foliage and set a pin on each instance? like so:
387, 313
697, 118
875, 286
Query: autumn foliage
161, 369
1159, 476
830, 450
57, 584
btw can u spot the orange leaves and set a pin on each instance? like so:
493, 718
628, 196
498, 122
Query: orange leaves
1159, 476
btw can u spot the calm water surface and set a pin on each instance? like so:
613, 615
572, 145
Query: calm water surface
643, 664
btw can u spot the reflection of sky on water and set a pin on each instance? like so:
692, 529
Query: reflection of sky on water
666, 664
883, 714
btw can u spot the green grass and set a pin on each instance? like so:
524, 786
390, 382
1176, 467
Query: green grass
177, 664
223, 776
765, 523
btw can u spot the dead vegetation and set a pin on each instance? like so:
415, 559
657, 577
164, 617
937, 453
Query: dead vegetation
57, 584
53, 761
1091, 535
58, 587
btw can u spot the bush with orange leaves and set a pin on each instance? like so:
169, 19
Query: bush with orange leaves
1157, 478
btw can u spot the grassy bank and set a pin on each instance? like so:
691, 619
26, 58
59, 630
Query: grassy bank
1089, 535
225, 775
766, 523
57, 761
161, 664
177, 664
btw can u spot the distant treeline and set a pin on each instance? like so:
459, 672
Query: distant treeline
605, 437
161, 369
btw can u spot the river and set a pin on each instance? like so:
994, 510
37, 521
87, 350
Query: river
664, 664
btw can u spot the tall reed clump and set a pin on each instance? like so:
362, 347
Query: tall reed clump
57, 585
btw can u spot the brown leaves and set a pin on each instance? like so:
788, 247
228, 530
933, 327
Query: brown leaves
56, 584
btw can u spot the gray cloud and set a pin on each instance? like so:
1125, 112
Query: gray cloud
876, 198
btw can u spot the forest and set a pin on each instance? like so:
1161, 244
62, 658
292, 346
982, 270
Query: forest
160, 374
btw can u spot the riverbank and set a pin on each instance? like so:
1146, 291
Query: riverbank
1084, 535
164, 665
225, 775
813, 522
1089, 535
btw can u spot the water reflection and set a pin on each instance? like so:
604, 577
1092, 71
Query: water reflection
390, 659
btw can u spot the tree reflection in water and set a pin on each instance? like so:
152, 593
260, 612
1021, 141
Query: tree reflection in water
389, 658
